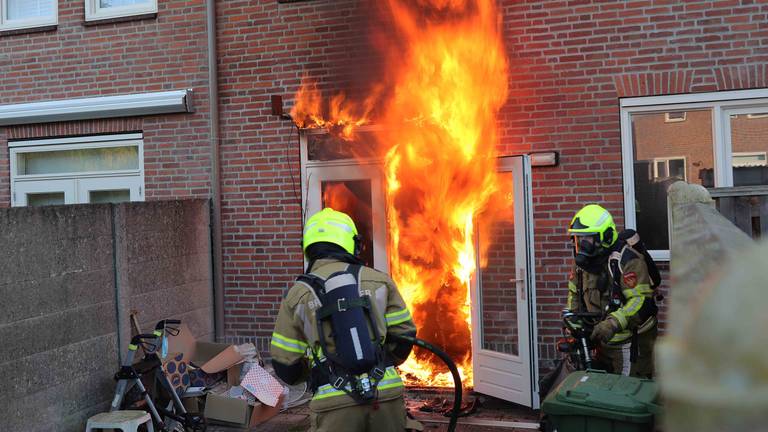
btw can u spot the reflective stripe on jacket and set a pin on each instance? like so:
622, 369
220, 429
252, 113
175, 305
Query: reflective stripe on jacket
295, 331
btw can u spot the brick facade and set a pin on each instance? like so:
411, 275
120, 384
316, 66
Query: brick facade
570, 63
78, 60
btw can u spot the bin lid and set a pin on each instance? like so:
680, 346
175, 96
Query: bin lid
605, 395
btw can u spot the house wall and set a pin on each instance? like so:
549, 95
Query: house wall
68, 276
570, 63
78, 59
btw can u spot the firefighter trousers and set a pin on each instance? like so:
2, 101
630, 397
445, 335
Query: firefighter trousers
388, 416
618, 356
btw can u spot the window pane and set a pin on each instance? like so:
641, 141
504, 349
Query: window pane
749, 141
353, 197
677, 168
675, 149
117, 3
497, 299
29, 9
43, 199
109, 196
325, 147
70, 161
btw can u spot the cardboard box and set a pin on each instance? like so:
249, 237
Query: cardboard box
237, 412
209, 356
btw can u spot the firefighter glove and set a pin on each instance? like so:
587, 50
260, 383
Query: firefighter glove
605, 330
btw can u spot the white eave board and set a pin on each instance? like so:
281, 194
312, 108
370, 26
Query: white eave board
177, 101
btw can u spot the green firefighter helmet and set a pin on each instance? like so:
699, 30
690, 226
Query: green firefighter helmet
331, 226
594, 220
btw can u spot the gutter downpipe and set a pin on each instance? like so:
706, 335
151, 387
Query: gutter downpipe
213, 110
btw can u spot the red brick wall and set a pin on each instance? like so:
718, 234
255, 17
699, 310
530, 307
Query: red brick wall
266, 48
156, 54
571, 61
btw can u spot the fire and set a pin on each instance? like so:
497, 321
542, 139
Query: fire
447, 74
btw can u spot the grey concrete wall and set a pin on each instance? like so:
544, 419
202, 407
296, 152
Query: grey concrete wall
69, 276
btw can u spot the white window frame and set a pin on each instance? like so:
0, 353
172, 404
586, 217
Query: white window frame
6, 24
722, 105
81, 182
93, 10
755, 153
666, 162
668, 119
315, 172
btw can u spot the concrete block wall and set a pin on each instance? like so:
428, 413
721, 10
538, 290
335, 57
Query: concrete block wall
58, 311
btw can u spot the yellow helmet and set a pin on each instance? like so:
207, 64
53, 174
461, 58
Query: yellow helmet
594, 220
331, 226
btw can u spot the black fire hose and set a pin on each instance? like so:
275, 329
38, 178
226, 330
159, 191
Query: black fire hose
448, 362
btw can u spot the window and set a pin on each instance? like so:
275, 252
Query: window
346, 178
722, 142
672, 117
741, 160
669, 168
18, 14
95, 169
103, 9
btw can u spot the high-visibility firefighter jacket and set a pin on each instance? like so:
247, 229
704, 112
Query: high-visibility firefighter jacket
638, 308
296, 330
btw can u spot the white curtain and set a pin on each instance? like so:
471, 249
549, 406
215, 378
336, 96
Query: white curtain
116, 3
28, 9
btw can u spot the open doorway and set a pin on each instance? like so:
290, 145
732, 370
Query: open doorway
344, 176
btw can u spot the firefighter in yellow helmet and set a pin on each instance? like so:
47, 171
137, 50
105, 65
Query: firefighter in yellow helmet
332, 330
611, 277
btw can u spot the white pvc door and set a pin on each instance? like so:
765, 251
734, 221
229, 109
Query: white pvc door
504, 350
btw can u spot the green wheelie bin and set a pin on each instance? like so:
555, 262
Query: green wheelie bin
595, 401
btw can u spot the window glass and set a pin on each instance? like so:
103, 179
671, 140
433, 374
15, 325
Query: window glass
353, 197
109, 196
43, 199
665, 152
676, 168
29, 9
81, 160
498, 292
326, 147
117, 3
749, 144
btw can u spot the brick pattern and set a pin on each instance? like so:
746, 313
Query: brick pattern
266, 48
570, 62
157, 54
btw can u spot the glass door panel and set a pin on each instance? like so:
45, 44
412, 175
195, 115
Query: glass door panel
38, 193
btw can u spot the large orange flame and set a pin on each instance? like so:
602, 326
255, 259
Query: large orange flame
447, 73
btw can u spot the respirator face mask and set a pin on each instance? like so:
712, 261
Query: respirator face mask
586, 249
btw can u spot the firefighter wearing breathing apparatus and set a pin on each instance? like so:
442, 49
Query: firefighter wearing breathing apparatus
614, 275
332, 330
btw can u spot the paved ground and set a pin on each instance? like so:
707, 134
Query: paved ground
297, 419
